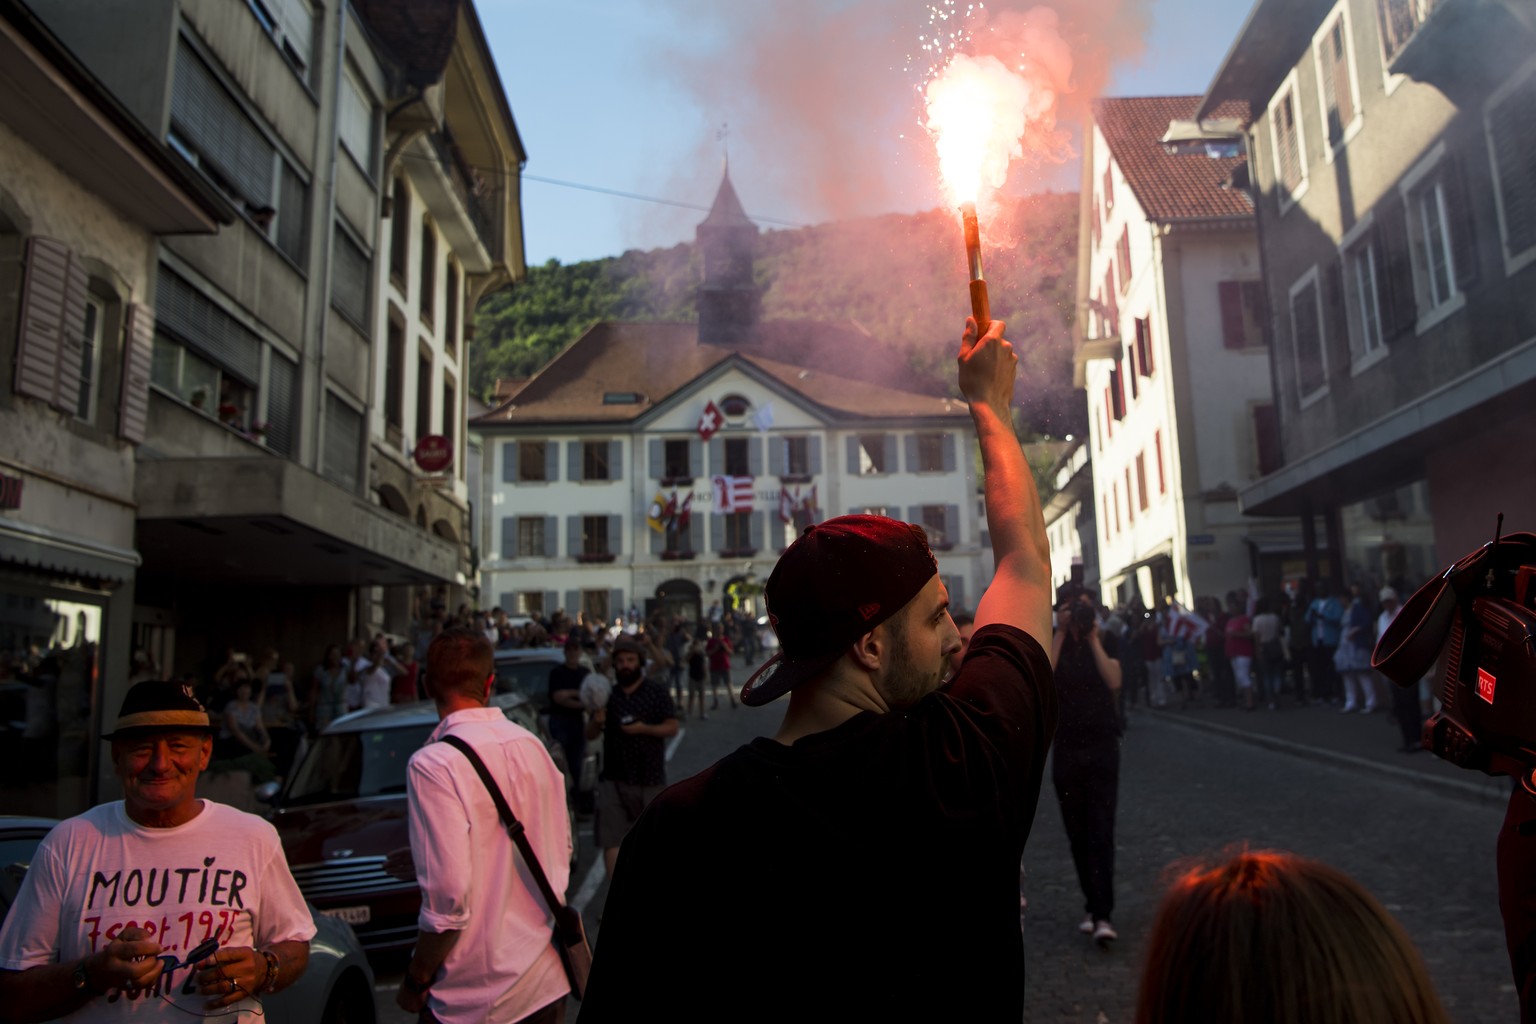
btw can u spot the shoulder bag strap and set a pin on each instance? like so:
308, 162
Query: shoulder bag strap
514, 827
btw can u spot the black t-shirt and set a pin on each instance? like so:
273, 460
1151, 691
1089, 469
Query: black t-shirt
869, 872
641, 760
563, 677
1088, 713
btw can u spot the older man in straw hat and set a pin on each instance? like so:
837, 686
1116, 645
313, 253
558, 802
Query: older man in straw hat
118, 898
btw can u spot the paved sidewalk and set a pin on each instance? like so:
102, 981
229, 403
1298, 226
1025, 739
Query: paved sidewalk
1321, 732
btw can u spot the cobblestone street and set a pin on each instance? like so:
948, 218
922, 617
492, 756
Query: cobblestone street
1186, 792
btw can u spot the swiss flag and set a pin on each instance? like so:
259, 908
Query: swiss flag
710, 421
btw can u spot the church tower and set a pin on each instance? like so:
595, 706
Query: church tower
728, 298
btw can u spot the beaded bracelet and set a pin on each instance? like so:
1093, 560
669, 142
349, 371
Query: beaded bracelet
273, 964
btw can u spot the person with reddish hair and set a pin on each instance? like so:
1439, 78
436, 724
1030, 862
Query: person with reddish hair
1272, 938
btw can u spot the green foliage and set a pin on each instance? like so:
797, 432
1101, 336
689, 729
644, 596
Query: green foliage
902, 278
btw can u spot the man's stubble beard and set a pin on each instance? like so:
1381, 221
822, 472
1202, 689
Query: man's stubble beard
906, 683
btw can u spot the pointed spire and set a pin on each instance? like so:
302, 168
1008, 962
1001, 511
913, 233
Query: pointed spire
727, 211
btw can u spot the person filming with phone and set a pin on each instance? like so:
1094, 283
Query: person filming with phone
158, 898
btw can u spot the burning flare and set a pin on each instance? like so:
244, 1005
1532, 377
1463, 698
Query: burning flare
978, 110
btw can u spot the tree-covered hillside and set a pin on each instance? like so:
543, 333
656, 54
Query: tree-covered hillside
901, 277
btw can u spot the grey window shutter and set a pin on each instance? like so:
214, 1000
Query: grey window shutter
45, 322
717, 533
776, 533
212, 121
509, 466
911, 446
755, 456
138, 358
956, 587
573, 535
695, 532
573, 460
615, 535
615, 460
508, 536
695, 457
915, 514
655, 453
776, 456
551, 461
815, 453
551, 600
572, 604
551, 525
658, 540
616, 602
853, 455
947, 446
890, 453
507, 601
952, 524
755, 531
716, 456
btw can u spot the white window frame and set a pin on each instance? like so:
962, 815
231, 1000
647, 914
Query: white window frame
1350, 130
1290, 87
1314, 279
1513, 262
1425, 174
1362, 354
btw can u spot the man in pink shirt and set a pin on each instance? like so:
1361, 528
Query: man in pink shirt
485, 949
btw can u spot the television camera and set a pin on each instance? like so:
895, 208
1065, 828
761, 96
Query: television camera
1478, 618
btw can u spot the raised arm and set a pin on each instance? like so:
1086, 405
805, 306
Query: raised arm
1020, 592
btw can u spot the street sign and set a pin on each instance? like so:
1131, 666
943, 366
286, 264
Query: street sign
434, 453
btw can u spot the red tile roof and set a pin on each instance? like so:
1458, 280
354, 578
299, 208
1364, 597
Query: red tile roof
1169, 187
656, 360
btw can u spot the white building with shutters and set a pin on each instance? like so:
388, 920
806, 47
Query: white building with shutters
577, 458
296, 361
1170, 348
85, 191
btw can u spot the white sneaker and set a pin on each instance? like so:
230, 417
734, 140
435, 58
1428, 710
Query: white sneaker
1087, 926
1104, 933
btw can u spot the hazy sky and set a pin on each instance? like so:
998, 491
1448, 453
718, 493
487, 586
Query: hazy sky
820, 97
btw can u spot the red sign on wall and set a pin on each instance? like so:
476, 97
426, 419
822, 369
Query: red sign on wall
434, 453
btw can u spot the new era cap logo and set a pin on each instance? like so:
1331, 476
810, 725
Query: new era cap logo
869, 610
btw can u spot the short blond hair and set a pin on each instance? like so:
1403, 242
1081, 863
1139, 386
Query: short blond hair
1272, 938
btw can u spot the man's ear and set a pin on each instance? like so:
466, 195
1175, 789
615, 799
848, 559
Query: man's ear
869, 651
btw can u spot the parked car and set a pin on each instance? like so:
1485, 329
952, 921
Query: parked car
342, 815
336, 987
525, 670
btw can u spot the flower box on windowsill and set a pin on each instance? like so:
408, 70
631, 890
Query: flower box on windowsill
738, 553
603, 557
675, 556
676, 481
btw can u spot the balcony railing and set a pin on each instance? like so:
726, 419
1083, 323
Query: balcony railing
481, 198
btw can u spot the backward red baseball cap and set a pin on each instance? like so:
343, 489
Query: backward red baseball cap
838, 580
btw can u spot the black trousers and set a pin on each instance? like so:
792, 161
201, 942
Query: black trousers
1087, 781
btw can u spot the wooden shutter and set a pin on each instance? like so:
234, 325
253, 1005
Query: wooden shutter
656, 455
716, 456
510, 467
755, 529
1514, 147
572, 604
573, 536
508, 537
551, 525
43, 323
573, 464
616, 602
695, 457
615, 535
1231, 293
615, 460
1128, 352
853, 455
776, 447
890, 454
952, 524
138, 359
507, 601
911, 446
755, 456
947, 452
814, 448
551, 461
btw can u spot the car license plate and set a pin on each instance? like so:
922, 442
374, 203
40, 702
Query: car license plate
351, 915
